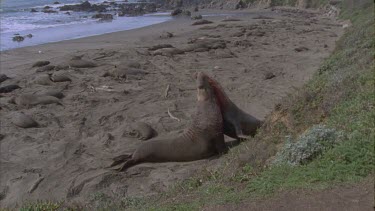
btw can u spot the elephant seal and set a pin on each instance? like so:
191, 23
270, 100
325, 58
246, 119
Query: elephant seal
60, 78
32, 100
78, 62
3, 78
202, 139
237, 123
23, 120
41, 63
9, 88
141, 130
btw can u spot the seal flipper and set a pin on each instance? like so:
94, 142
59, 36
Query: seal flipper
120, 159
127, 164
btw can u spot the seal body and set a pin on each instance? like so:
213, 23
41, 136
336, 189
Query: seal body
33, 100
237, 123
202, 139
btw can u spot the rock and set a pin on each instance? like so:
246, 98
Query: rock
166, 35
33, 10
159, 46
67, 13
241, 5
176, 12
56, 2
201, 22
18, 38
3, 78
29, 35
269, 75
24, 121
180, 12
9, 88
197, 17
103, 17
41, 63
49, 11
45, 68
85, 6
47, 7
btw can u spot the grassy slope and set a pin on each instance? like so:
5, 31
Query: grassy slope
340, 95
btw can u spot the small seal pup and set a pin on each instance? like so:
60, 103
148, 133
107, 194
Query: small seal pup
202, 139
237, 123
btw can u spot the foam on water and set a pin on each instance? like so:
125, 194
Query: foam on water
16, 18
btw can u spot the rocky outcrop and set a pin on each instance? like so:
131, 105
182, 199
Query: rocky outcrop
85, 6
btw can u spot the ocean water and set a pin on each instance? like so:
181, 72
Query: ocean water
16, 18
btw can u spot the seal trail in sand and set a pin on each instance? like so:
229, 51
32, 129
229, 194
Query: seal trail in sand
237, 123
204, 138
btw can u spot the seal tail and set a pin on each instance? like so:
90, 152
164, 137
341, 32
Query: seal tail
120, 159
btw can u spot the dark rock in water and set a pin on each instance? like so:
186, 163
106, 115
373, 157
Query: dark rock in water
269, 75
56, 2
159, 46
49, 11
45, 68
197, 17
47, 7
18, 38
180, 12
24, 121
201, 22
85, 6
186, 12
103, 17
33, 10
29, 35
41, 63
67, 13
9, 88
176, 12
3, 78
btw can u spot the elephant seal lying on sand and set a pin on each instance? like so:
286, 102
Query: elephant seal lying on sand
204, 138
237, 123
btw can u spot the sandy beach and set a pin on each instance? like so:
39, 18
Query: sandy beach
258, 59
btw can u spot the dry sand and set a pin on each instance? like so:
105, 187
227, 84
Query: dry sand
64, 158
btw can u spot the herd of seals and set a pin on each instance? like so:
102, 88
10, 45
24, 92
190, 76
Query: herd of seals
215, 116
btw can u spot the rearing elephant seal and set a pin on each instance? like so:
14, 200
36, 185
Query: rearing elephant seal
237, 123
204, 137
